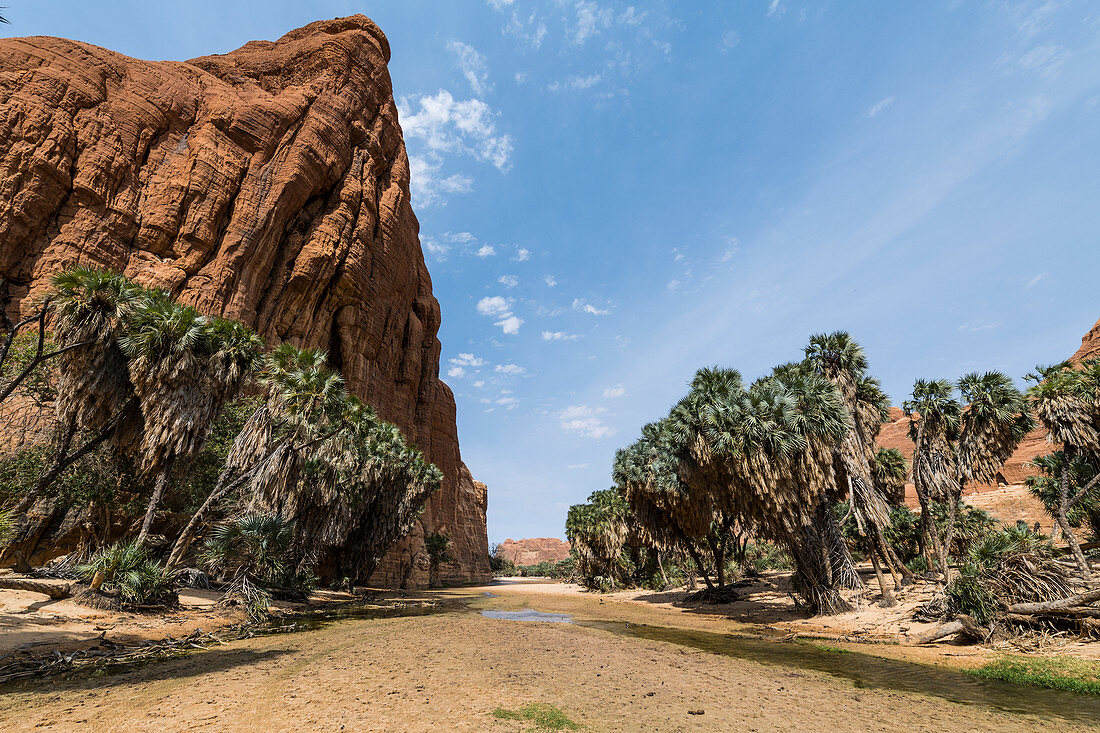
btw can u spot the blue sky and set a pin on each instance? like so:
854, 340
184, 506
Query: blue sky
613, 195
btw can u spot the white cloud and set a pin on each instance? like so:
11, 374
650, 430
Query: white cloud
775, 7
1035, 280
510, 324
575, 466
456, 371
429, 187
520, 77
879, 106
586, 421
584, 307
472, 65
501, 309
479, 383
591, 19
558, 336
493, 306
730, 39
438, 250
500, 4
509, 403
509, 369
467, 360
486, 250
616, 391
448, 125
508, 281
674, 284
550, 281
522, 255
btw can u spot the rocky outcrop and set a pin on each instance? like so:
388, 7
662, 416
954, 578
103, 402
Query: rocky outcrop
1090, 345
270, 185
533, 551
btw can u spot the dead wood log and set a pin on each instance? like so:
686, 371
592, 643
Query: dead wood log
1081, 599
56, 592
962, 624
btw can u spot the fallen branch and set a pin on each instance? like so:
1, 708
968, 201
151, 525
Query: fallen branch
962, 624
54, 591
1081, 599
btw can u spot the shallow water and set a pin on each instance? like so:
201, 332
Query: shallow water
871, 672
529, 615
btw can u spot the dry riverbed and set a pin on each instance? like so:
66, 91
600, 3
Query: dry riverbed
451, 671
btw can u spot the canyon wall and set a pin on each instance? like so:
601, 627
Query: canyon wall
269, 185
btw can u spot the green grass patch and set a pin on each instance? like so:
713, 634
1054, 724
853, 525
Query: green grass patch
1058, 673
543, 715
827, 647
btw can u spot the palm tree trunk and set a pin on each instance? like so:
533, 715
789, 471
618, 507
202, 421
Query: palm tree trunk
887, 597
949, 538
661, 567
1067, 531
154, 501
36, 586
187, 536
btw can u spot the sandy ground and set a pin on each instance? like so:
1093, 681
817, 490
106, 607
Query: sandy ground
450, 671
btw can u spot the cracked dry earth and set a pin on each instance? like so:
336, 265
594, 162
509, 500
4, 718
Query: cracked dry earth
450, 671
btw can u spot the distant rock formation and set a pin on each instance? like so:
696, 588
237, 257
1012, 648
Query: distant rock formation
533, 551
270, 185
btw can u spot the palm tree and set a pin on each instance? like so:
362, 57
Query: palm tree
841, 360
934, 422
304, 407
890, 473
954, 444
1067, 403
597, 532
91, 309
184, 367
438, 546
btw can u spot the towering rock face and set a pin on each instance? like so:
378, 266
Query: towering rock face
269, 185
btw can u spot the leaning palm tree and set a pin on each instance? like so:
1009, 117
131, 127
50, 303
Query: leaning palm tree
184, 367
597, 531
92, 309
890, 473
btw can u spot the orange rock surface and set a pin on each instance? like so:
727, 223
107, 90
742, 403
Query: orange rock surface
270, 185
533, 551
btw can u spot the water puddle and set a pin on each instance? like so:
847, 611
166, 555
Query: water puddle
871, 672
529, 615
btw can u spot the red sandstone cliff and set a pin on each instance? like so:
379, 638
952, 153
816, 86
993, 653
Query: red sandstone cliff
271, 185
533, 551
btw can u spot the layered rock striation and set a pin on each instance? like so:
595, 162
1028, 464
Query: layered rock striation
533, 551
269, 185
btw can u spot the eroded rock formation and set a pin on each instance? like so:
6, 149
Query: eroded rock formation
533, 551
270, 185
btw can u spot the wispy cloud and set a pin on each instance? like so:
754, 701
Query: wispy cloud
550, 281
511, 370
879, 106
485, 250
616, 391
576, 83
980, 325
558, 336
473, 66
575, 466
508, 281
429, 186
587, 421
1032, 282
522, 255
